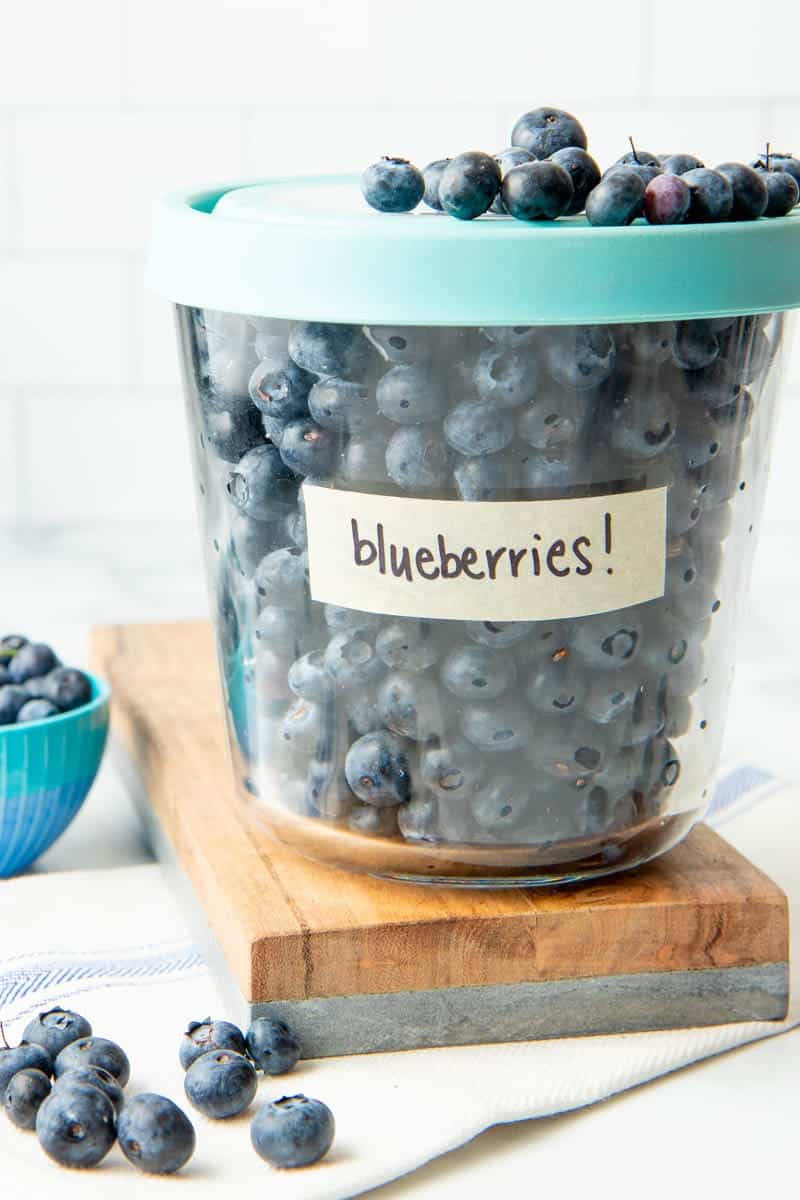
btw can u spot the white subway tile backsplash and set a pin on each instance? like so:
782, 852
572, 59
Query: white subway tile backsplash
7, 184
712, 49
278, 52
59, 50
91, 179
782, 128
156, 343
457, 51
11, 442
64, 322
298, 142
128, 455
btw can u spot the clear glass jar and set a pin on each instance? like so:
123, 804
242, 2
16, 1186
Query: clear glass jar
455, 749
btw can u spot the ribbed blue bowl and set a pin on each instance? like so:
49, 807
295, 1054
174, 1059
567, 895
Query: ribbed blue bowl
46, 770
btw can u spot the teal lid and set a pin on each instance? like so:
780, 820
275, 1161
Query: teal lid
310, 248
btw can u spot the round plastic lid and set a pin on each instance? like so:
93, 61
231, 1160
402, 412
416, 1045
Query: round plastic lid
310, 249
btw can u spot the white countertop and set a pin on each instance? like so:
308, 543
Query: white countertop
721, 1129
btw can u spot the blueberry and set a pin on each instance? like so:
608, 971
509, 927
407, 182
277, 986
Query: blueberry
583, 171
155, 1135
308, 678
718, 479
272, 1046
498, 726
232, 434
261, 485
273, 428
32, 660
557, 687
418, 820
94, 1052
361, 707
779, 162
221, 1084
608, 641
514, 156
642, 423
341, 405
377, 769
685, 499
279, 388
293, 1131
581, 357
392, 185
556, 419
348, 620
469, 184
432, 177
81, 1077
701, 439
340, 350
401, 344
37, 710
500, 807
303, 725
667, 200
373, 822
408, 645
5, 678
410, 395
748, 188
617, 199
747, 349
475, 672
645, 166
485, 478
363, 460
55, 1029
76, 1127
553, 471
543, 131
452, 768
508, 378
308, 449
327, 794
679, 164
510, 337
476, 427
201, 1037
24, 1094
351, 659
296, 526
638, 158
648, 344
68, 688
537, 191
10, 644
783, 193
712, 196
12, 700
17, 1058
281, 576
410, 705
608, 699
696, 345
498, 634
569, 749
417, 458
276, 628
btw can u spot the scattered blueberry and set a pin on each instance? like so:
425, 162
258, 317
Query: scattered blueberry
469, 184
432, 177
393, 185
221, 1084
679, 164
340, 350
583, 171
32, 660
783, 193
12, 699
23, 1096
76, 1126
155, 1135
712, 195
308, 449
261, 485
37, 710
506, 159
81, 1077
272, 1046
537, 191
617, 200
16, 1058
95, 1052
293, 1131
749, 189
55, 1029
543, 131
203, 1036
667, 200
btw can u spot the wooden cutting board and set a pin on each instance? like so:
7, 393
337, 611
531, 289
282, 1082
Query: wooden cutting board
359, 964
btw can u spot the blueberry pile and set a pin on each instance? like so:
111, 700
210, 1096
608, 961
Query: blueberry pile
548, 173
466, 733
33, 683
68, 1086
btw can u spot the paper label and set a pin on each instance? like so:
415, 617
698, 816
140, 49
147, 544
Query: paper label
526, 560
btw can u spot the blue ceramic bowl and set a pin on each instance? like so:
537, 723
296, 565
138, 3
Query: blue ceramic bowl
46, 770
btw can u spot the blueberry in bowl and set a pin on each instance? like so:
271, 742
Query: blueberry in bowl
53, 730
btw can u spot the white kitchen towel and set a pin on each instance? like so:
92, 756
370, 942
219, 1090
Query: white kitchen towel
114, 945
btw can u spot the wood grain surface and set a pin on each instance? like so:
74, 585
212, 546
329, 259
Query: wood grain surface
293, 929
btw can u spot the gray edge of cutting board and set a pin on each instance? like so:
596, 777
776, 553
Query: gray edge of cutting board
367, 1024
